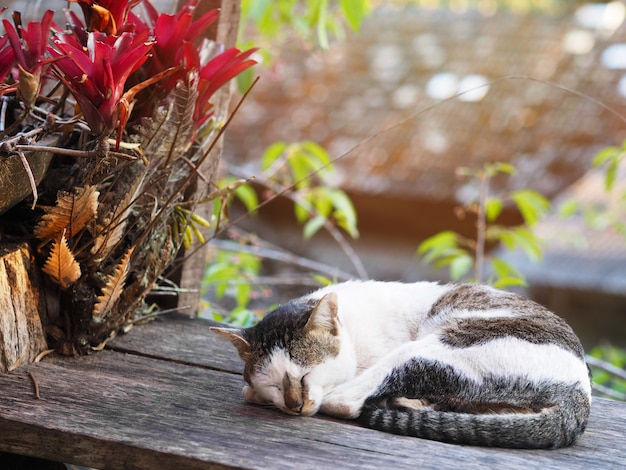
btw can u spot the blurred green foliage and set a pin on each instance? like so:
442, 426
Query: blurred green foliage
465, 257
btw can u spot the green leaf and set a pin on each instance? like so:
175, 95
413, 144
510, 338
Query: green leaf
568, 208
445, 239
460, 266
256, 9
242, 294
323, 280
319, 152
493, 208
322, 202
300, 165
313, 226
344, 211
504, 269
507, 275
492, 169
507, 168
504, 282
322, 31
596, 218
354, 12
523, 238
248, 196
532, 205
272, 153
611, 174
605, 155
241, 316
245, 80
611, 157
302, 211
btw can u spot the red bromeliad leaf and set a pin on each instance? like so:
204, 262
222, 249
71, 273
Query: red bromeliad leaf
173, 34
74, 24
7, 57
216, 73
29, 45
96, 75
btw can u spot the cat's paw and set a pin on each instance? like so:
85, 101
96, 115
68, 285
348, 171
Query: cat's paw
251, 396
342, 403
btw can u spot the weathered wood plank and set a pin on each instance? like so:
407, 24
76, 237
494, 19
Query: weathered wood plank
180, 338
116, 410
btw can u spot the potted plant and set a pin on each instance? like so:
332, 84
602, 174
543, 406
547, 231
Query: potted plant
109, 119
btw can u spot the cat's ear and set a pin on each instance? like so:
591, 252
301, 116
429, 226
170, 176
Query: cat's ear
324, 315
236, 339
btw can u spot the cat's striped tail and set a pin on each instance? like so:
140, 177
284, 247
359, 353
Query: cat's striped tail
555, 426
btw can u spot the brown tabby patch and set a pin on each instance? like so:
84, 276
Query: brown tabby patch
535, 323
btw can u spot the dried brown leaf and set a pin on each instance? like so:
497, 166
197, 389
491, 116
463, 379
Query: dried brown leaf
61, 265
167, 135
113, 289
73, 211
107, 238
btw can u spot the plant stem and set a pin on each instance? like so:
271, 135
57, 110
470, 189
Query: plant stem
481, 225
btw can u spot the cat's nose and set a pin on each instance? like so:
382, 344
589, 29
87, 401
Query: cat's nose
294, 403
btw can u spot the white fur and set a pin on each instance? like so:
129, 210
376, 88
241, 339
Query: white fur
383, 325
378, 316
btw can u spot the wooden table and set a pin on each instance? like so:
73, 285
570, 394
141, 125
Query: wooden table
168, 395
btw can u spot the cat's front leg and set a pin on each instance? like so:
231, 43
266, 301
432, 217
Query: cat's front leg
251, 396
346, 400
342, 404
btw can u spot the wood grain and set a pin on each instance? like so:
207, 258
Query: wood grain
21, 332
183, 339
141, 410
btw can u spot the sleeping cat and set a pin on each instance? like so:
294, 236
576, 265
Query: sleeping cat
459, 363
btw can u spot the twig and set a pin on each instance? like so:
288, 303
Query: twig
35, 384
3, 113
195, 168
606, 366
284, 256
156, 314
609, 392
71, 152
43, 354
481, 225
31, 178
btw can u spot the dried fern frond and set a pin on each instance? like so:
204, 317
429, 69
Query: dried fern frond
61, 265
113, 289
73, 211
167, 135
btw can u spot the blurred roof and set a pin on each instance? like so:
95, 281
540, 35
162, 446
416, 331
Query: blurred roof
407, 60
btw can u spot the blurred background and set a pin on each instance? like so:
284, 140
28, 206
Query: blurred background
549, 73
400, 103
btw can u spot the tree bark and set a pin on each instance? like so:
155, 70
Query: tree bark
189, 276
21, 332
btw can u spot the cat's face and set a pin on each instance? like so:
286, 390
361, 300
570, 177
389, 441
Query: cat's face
292, 356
